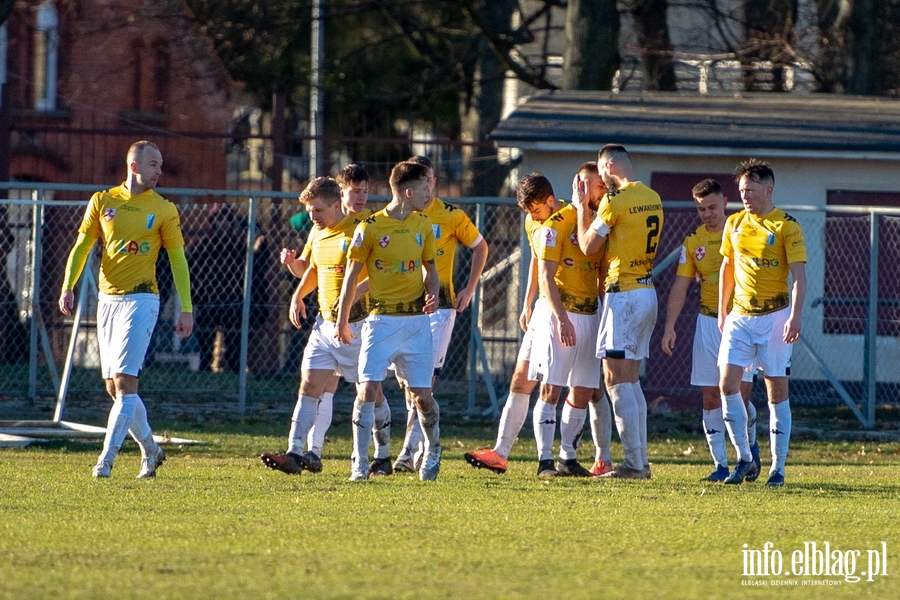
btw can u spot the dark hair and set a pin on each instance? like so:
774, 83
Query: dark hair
323, 188
755, 170
421, 160
351, 174
406, 172
612, 151
590, 166
705, 188
534, 188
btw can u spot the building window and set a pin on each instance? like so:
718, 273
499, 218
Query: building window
137, 61
161, 69
46, 45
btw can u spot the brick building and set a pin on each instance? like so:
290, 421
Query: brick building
85, 78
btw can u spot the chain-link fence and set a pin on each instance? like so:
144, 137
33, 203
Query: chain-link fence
244, 348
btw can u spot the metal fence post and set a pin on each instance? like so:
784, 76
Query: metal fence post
473, 322
37, 219
245, 308
871, 336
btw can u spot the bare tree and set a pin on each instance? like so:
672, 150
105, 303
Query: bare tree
657, 56
770, 32
591, 56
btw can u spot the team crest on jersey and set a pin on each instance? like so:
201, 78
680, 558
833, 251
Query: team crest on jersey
573, 237
549, 237
383, 242
437, 231
419, 240
108, 214
700, 253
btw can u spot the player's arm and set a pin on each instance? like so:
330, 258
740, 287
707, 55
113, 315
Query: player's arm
182, 278
677, 295
307, 284
479, 259
78, 257
432, 286
345, 301
726, 289
794, 323
549, 290
531, 289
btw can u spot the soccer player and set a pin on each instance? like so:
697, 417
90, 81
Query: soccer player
564, 351
394, 245
701, 259
451, 227
133, 222
354, 183
535, 197
629, 221
324, 358
762, 246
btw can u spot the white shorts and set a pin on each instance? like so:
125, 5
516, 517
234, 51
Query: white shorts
442, 321
404, 341
325, 352
758, 338
572, 366
124, 327
627, 324
540, 314
704, 367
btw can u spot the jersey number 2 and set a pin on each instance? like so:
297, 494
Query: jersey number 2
652, 233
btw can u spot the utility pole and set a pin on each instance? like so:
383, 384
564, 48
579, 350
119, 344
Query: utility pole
316, 125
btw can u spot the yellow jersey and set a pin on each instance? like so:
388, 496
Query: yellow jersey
761, 248
355, 219
700, 259
393, 252
328, 255
451, 226
632, 218
576, 273
132, 230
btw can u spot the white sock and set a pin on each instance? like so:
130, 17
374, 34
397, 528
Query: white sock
544, 421
571, 425
601, 429
140, 428
121, 415
714, 427
363, 418
381, 430
751, 423
431, 426
642, 418
413, 438
316, 438
515, 411
625, 409
736, 423
302, 421
779, 433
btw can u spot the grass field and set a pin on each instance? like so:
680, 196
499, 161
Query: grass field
216, 524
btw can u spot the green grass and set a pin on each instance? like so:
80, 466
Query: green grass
216, 524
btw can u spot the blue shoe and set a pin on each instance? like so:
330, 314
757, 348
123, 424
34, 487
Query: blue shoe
742, 470
754, 452
719, 474
776, 479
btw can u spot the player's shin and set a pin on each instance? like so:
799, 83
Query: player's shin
515, 412
780, 422
736, 423
570, 427
625, 409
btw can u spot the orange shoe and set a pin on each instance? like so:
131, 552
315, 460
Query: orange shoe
600, 468
487, 459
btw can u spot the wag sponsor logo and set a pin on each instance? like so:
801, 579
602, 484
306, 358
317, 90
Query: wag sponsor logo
812, 564
130, 247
